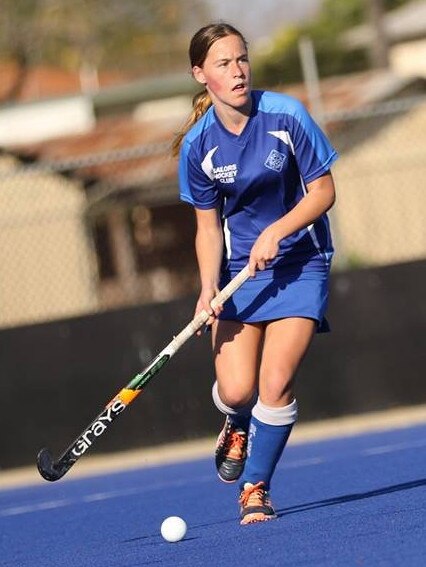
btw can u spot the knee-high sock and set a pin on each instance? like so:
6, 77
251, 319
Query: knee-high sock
239, 416
269, 431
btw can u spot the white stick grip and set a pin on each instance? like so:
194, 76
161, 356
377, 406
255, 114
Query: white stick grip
229, 289
201, 318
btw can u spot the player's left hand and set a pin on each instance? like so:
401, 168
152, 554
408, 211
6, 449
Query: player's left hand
264, 250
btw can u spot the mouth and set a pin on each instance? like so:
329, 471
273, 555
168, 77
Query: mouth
240, 87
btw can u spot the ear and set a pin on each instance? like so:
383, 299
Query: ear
198, 75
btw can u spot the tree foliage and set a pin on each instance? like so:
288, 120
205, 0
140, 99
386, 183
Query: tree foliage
281, 63
132, 34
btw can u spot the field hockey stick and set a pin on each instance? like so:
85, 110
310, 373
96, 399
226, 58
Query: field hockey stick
54, 470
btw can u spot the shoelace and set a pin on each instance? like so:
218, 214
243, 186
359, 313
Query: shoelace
253, 495
235, 445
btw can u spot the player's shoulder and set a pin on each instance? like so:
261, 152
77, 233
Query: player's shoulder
276, 102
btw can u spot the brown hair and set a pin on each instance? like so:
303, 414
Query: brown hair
198, 50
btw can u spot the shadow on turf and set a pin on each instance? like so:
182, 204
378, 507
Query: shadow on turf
150, 536
351, 497
158, 539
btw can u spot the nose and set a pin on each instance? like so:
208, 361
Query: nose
237, 70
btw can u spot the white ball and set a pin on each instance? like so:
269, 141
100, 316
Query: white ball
173, 529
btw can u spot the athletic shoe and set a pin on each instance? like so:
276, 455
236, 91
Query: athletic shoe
255, 505
231, 452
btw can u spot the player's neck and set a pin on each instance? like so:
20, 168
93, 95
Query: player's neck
234, 119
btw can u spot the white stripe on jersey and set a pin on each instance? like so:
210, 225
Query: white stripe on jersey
227, 238
285, 137
207, 164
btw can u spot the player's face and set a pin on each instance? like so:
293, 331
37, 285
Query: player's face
226, 73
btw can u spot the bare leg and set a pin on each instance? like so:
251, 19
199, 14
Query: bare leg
236, 348
286, 342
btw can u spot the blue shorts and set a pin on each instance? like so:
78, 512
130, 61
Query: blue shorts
302, 294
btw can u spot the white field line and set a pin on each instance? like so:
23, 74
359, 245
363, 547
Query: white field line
161, 486
180, 452
393, 448
109, 495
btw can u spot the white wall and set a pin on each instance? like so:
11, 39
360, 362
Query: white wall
41, 120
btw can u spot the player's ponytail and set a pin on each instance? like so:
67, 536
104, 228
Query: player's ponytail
198, 50
200, 104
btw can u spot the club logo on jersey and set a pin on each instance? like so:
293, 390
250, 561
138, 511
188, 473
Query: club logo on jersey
225, 173
275, 161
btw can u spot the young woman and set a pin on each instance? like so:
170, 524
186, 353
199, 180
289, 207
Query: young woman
256, 168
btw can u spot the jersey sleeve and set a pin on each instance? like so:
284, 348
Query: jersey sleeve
196, 187
313, 151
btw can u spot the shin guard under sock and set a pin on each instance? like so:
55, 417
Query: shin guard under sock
269, 431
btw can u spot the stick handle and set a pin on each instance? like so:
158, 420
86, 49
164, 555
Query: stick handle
53, 470
200, 319
229, 289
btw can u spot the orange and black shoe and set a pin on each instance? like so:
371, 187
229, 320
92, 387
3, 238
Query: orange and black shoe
231, 452
255, 504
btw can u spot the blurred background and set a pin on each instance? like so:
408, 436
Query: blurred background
97, 263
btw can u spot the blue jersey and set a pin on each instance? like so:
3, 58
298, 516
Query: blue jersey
257, 177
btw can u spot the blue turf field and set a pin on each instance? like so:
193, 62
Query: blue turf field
357, 501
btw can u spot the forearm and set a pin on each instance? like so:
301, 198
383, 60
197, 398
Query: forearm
318, 200
209, 249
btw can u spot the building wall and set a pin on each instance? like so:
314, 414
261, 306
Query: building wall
409, 59
46, 260
381, 188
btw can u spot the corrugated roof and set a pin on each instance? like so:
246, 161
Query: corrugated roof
94, 156
347, 92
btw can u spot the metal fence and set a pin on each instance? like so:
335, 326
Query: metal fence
85, 233
379, 215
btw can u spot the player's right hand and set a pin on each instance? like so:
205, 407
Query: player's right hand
203, 302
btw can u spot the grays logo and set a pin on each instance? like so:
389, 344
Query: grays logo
98, 427
275, 161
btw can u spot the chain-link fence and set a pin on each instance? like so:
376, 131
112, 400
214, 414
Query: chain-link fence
90, 232
379, 215
93, 232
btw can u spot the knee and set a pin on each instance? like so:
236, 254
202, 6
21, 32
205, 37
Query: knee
233, 395
277, 398
277, 389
